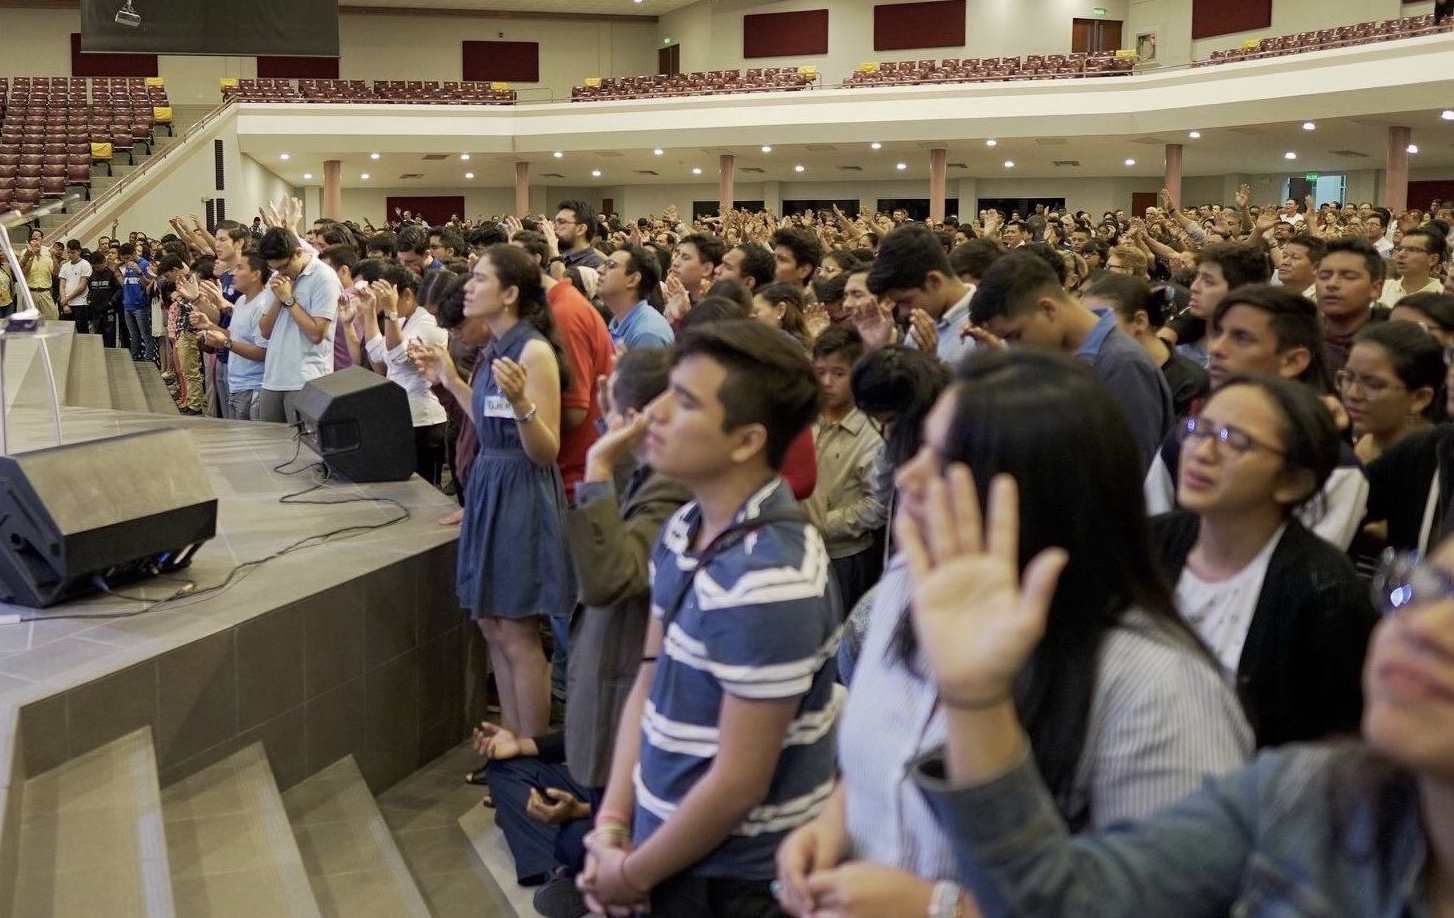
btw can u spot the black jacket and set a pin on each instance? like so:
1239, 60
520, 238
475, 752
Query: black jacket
1299, 677
1399, 483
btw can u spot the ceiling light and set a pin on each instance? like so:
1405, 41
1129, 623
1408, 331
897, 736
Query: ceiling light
373, 156
469, 175
766, 148
1413, 148
1448, 114
1195, 135
696, 171
657, 152
875, 146
307, 176
364, 176
595, 173
1009, 164
1309, 126
1130, 162
557, 154
798, 168
284, 157
991, 142
464, 157
1289, 155
901, 166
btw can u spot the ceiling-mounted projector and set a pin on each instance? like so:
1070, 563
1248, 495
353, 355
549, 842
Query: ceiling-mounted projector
127, 16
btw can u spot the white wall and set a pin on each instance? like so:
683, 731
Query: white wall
710, 32
251, 185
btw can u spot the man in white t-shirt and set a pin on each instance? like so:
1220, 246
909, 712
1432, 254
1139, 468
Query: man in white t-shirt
75, 277
298, 323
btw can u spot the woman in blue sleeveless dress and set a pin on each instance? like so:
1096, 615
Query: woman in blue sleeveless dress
513, 563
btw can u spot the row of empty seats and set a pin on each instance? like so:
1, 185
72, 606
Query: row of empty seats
704, 83
983, 69
388, 91
79, 91
1341, 37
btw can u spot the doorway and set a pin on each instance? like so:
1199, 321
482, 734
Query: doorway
1089, 36
1141, 200
669, 60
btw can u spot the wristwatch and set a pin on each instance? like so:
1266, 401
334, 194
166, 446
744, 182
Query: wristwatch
289, 303
227, 343
529, 415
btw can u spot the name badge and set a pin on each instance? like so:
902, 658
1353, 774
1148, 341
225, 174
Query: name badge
498, 406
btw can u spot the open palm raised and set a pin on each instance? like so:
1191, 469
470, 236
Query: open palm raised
975, 617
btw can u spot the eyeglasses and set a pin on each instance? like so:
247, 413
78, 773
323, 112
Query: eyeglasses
1113, 266
560, 221
1195, 430
1402, 579
1372, 388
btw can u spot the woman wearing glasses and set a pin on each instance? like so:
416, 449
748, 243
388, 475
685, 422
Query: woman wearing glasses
1392, 386
1364, 830
1282, 610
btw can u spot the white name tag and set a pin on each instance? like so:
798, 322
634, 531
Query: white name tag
498, 406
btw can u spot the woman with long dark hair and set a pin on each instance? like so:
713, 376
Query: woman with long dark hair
513, 563
1125, 710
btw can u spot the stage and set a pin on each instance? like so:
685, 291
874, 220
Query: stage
350, 645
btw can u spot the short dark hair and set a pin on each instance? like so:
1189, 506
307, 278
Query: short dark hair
899, 385
733, 289
714, 308
1416, 356
639, 261
1316, 247
1051, 256
975, 256
804, 245
641, 374
830, 289
839, 339
710, 248
769, 380
448, 238
1294, 320
340, 256
170, 263
278, 242
1240, 263
233, 230
486, 235
385, 242
534, 243
1310, 439
412, 239
906, 257
1012, 286
1362, 248
757, 263
585, 215
1439, 307
73, 245
1128, 294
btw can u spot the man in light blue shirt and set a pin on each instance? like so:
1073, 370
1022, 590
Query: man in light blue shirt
627, 277
913, 272
298, 323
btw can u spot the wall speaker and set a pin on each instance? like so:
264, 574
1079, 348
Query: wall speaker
359, 425
119, 509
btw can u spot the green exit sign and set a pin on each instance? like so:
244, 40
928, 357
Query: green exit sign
1311, 176
1099, 11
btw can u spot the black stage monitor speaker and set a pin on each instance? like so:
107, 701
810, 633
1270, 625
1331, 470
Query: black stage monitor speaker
359, 425
119, 509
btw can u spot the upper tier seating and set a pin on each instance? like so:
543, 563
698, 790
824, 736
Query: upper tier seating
707, 83
53, 129
382, 91
1341, 37
991, 69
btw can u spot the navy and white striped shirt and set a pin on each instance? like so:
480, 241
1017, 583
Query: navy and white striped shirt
759, 623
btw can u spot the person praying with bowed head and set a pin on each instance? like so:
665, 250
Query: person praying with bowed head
513, 562
1125, 709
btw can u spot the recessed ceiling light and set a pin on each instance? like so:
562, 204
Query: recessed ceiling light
798, 168
1413, 148
285, 157
766, 148
1009, 164
875, 146
1289, 155
373, 156
557, 154
307, 176
469, 175
657, 152
1448, 114
364, 176
464, 157
1195, 135
696, 171
901, 166
595, 173
1309, 126
1130, 162
991, 142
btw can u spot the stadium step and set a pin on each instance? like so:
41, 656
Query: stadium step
88, 382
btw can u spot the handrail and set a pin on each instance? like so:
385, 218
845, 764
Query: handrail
96, 205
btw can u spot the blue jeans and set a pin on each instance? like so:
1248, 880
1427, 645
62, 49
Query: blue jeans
537, 848
138, 325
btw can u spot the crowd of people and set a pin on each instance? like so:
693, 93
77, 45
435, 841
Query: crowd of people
1017, 565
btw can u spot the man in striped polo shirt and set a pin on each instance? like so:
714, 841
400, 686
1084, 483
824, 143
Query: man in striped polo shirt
726, 741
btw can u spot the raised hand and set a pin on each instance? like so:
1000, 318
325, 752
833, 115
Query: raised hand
1244, 196
678, 303
623, 433
432, 360
875, 324
510, 378
924, 332
816, 320
977, 619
